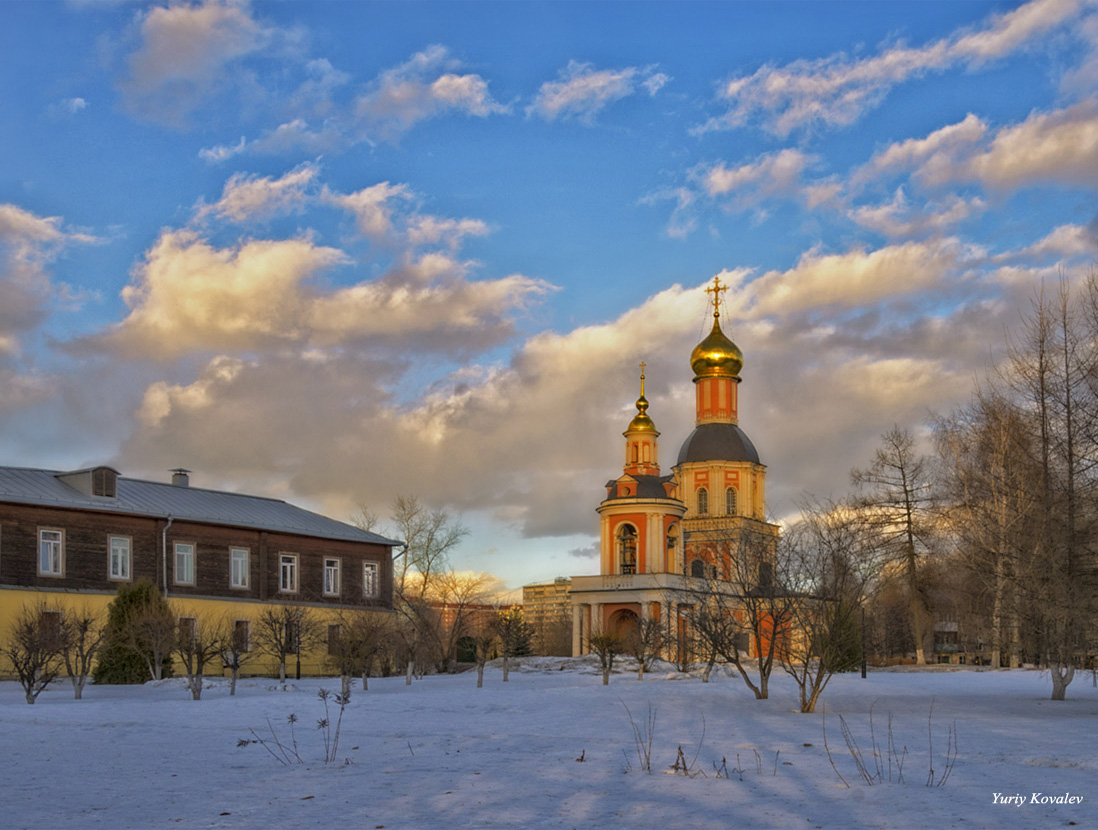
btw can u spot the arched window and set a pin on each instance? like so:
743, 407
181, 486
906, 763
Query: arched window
697, 568
730, 501
627, 549
703, 501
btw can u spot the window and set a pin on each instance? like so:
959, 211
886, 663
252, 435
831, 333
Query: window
51, 551
238, 567
184, 563
120, 557
331, 577
242, 636
287, 573
49, 629
627, 549
697, 568
730, 501
703, 501
369, 579
188, 632
104, 482
334, 633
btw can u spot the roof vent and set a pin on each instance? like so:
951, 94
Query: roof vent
181, 477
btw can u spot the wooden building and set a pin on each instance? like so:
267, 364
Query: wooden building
72, 537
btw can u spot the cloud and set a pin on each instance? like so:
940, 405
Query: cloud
250, 198
426, 86
900, 219
381, 216
582, 92
1060, 146
933, 158
771, 174
857, 277
835, 91
1066, 241
185, 54
28, 244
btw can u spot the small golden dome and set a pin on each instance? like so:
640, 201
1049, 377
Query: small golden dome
716, 356
641, 422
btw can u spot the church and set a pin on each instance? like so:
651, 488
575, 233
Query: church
664, 537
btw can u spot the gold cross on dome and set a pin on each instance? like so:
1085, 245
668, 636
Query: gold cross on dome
643, 364
716, 289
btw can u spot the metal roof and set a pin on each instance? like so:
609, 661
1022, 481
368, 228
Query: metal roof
136, 497
718, 442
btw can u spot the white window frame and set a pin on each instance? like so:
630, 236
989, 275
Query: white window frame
369, 580
123, 545
188, 552
243, 557
332, 580
55, 558
287, 573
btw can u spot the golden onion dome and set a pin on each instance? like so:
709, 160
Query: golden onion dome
641, 422
716, 356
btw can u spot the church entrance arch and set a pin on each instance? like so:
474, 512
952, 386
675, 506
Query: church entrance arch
623, 622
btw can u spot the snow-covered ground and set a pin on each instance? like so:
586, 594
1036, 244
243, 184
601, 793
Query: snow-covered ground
444, 754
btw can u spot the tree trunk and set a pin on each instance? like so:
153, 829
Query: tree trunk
78, 687
605, 677
345, 686
232, 681
1062, 675
640, 671
505, 667
708, 668
408, 672
480, 675
282, 671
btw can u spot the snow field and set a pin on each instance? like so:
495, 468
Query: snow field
443, 754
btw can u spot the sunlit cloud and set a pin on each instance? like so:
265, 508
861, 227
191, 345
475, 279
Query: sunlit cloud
249, 198
899, 218
426, 86
835, 91
582, 91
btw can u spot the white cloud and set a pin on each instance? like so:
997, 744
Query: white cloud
249, 198
898, 218
185, 54
1066, 241
1060, 146
835, 91
857, 277
426, 86
933, 157
582, 92
770, 174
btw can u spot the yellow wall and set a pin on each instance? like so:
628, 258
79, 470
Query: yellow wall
14, 600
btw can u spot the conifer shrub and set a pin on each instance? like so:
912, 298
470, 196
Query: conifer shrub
118, 661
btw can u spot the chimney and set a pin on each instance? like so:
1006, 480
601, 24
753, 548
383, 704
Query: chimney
180, 477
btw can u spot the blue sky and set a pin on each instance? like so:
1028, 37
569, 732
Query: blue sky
333, 252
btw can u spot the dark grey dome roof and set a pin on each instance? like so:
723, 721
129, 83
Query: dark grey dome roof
718, 442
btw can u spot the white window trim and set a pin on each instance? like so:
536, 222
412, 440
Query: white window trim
175, 563
370, 567
296, 578
111, 575
240, 586
338, 576
60, 551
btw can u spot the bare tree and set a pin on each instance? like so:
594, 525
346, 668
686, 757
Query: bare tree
236, 649
514, 635
458, 597
606, 646
898, 496
150, 631
282, 630
644, 643
743, 605
200, 639
986, 482
430, 536
82, 635
34, 646
831, 565
485, 640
